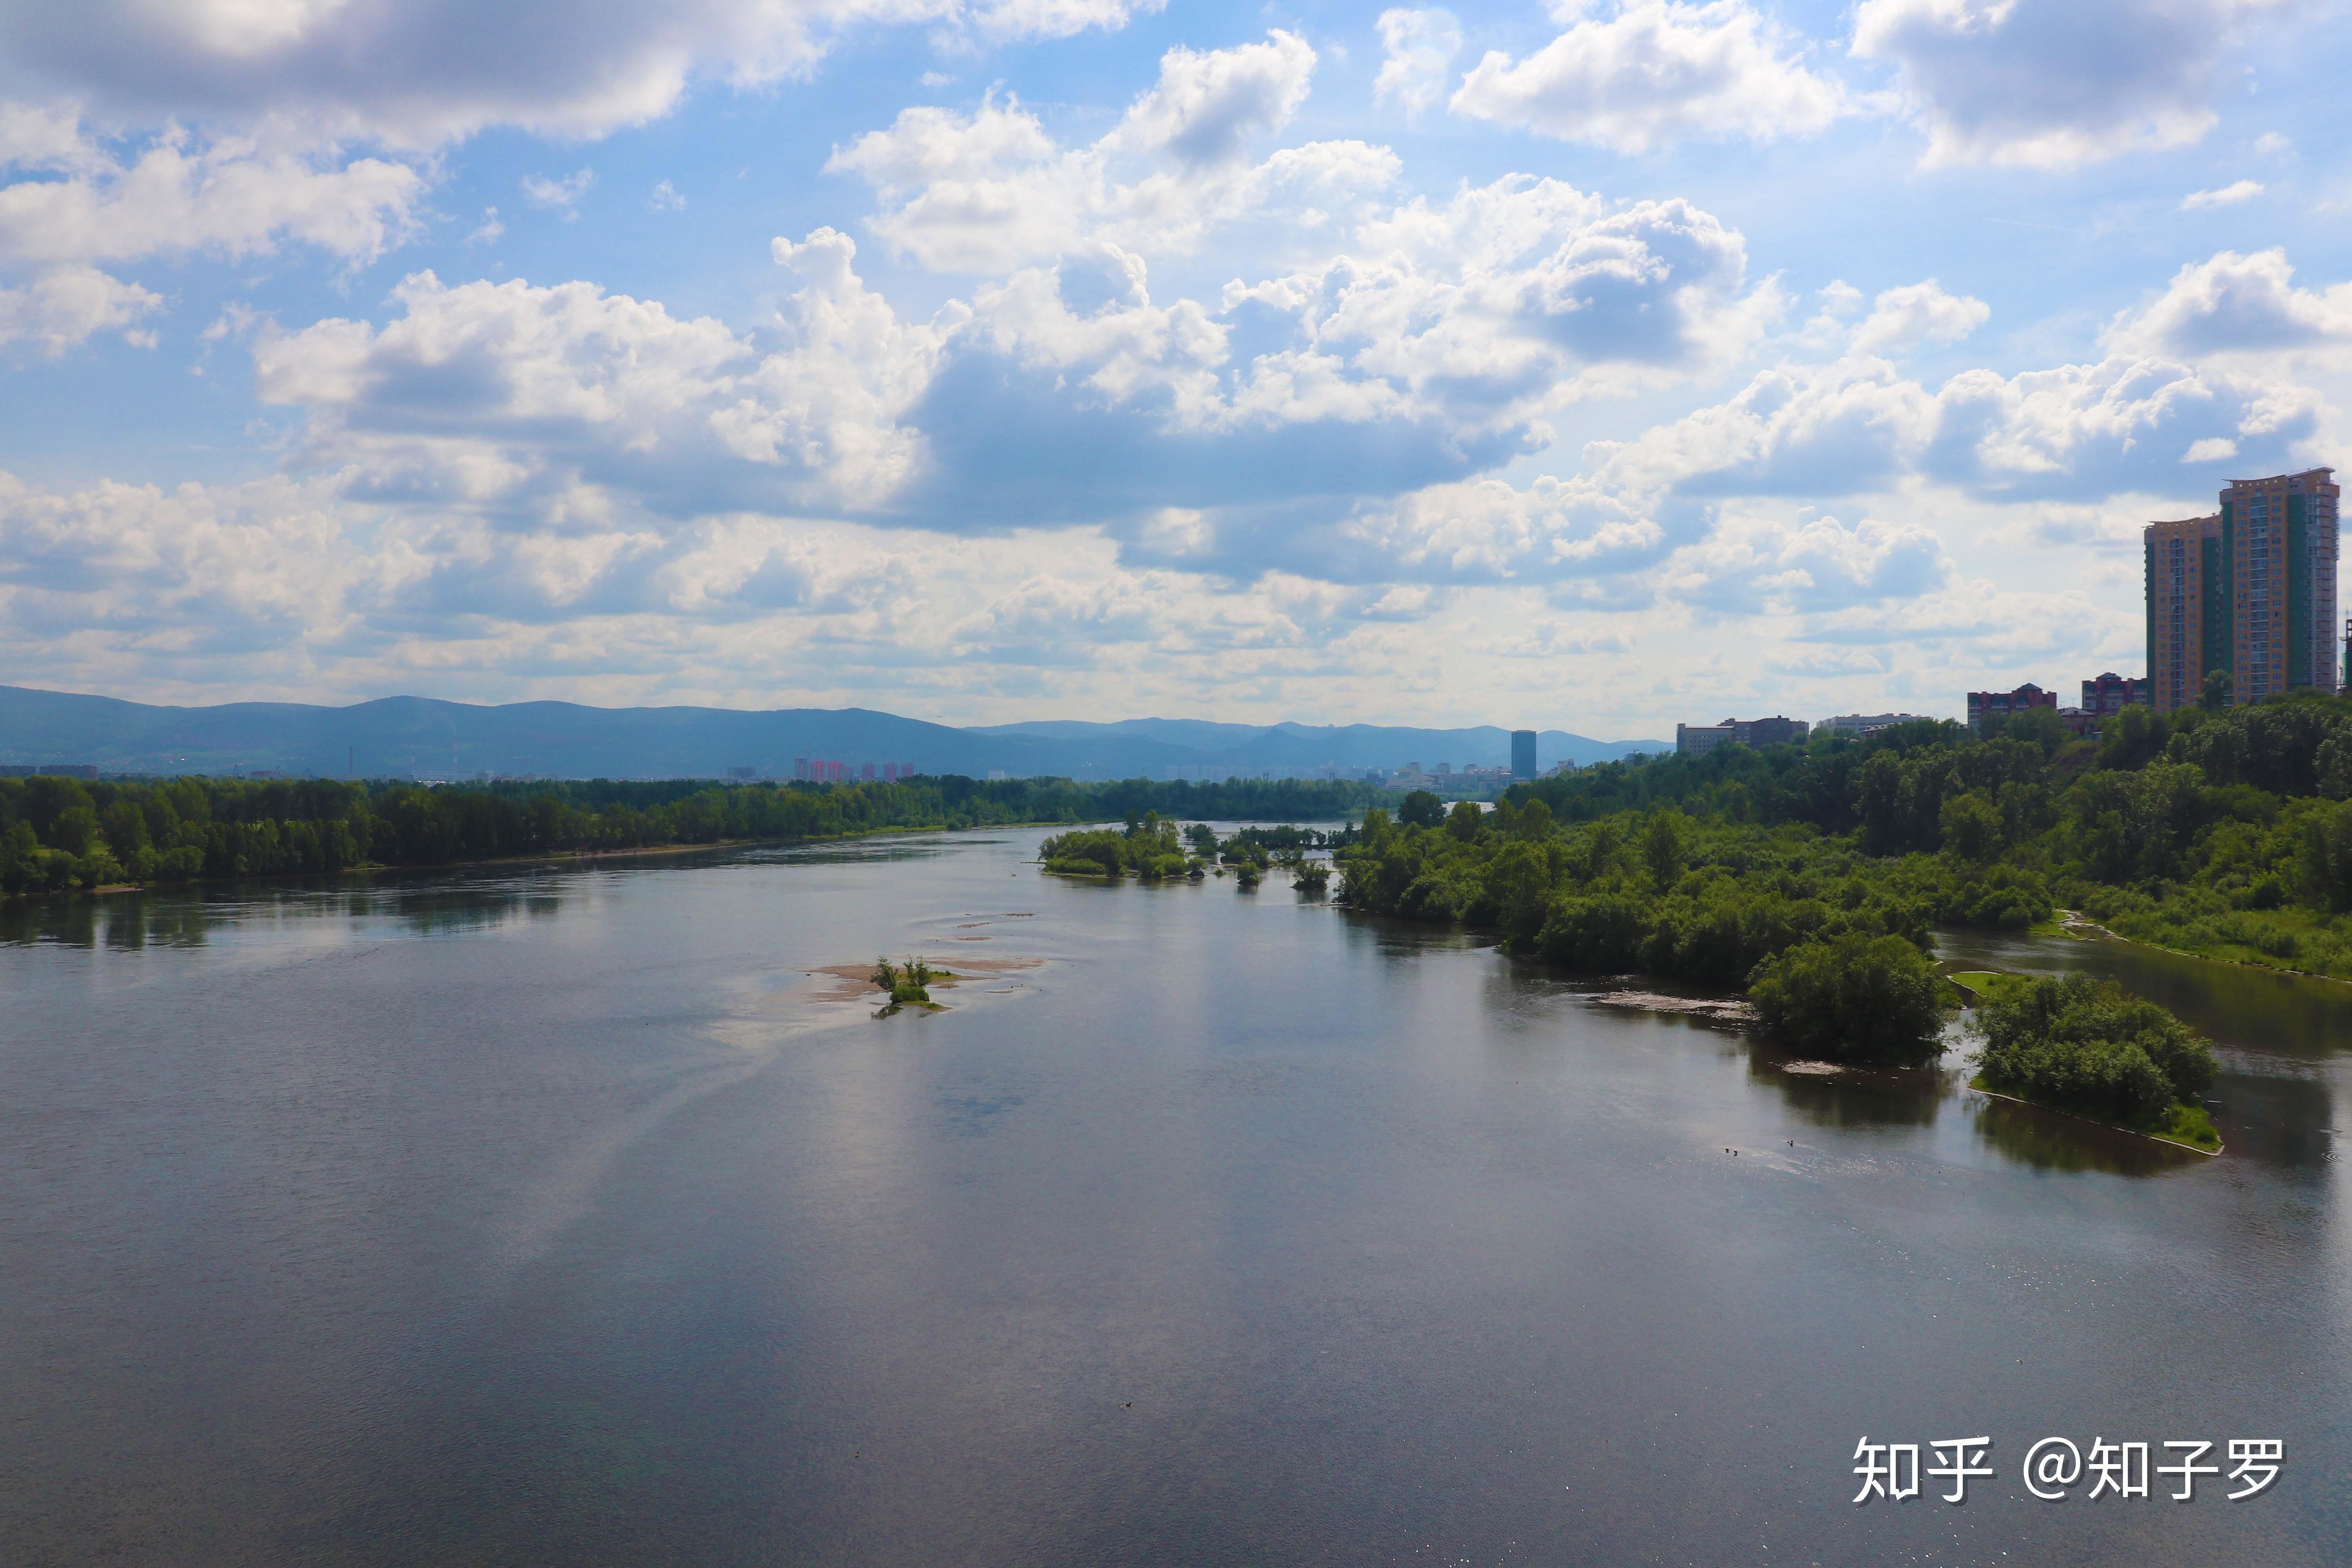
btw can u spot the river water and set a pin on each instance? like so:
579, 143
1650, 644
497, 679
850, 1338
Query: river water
555, 1215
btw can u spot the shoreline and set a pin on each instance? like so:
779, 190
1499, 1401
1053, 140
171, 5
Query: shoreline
1976, 1088
2072, 923
550, 857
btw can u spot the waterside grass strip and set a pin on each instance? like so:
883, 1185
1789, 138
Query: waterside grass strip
1977, 1084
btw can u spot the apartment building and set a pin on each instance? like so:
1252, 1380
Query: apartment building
2249, 593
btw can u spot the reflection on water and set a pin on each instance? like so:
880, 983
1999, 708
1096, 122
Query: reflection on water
129, 922
1858, 1097
2050, 1141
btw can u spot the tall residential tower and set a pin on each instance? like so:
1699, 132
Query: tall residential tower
2248, 591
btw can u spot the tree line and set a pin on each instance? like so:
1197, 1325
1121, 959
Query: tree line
2223, 831
1816, 866
60, 833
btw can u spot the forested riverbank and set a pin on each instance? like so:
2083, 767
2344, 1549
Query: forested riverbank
60, 833
2225, 832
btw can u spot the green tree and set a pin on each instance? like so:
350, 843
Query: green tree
125, 828
2039, 728
1519, 885
1464, 821
1665, 846
74, 830
1603, 851
1604, 933
1972, 827
2132, 738
2327, 856
1852, 998
1420, 809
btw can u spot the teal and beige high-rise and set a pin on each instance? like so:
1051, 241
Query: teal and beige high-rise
2248, 591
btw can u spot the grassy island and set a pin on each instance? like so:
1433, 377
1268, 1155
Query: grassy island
907, 984
1152, 849
2084, 1046
1148, 848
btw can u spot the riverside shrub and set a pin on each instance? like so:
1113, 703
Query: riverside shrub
1852, 998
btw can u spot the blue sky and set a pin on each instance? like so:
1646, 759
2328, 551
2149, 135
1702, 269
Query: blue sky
1591, 366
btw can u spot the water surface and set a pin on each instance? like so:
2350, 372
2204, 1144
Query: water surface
545, 1216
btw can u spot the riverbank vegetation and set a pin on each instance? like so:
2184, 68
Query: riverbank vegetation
2084, 1046
2226, 832
61, 833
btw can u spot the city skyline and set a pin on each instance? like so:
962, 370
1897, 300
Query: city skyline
983, 361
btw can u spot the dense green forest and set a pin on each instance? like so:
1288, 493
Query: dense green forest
2225, 831
61, 833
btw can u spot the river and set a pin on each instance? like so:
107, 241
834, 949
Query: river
556, 1216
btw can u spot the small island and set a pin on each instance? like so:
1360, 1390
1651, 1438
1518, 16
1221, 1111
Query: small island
1152, 849
907, 984
2089, 1049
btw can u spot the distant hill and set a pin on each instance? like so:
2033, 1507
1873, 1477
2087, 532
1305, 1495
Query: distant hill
421, 737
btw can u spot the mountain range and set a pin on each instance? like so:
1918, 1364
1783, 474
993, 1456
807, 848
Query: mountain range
422, 737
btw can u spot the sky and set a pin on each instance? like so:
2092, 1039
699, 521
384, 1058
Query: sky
1593, 366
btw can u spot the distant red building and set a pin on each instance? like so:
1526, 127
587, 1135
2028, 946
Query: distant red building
1986, 706
2112, 694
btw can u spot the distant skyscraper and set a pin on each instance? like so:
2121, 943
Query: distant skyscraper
1523, 753
2248, 591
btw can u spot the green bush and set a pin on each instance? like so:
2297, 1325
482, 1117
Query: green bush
2087, 1045
1604, 933
1854, 997
906, 981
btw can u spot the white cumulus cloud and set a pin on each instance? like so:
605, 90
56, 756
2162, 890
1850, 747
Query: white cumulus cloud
66, 305
1417, 49
76, 203
2232, 304
992, 190
1919, 312
2052, 84
1654, 74
2228, 195
422, 73
560, 195
232, 196
1206, 107
1762, 564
